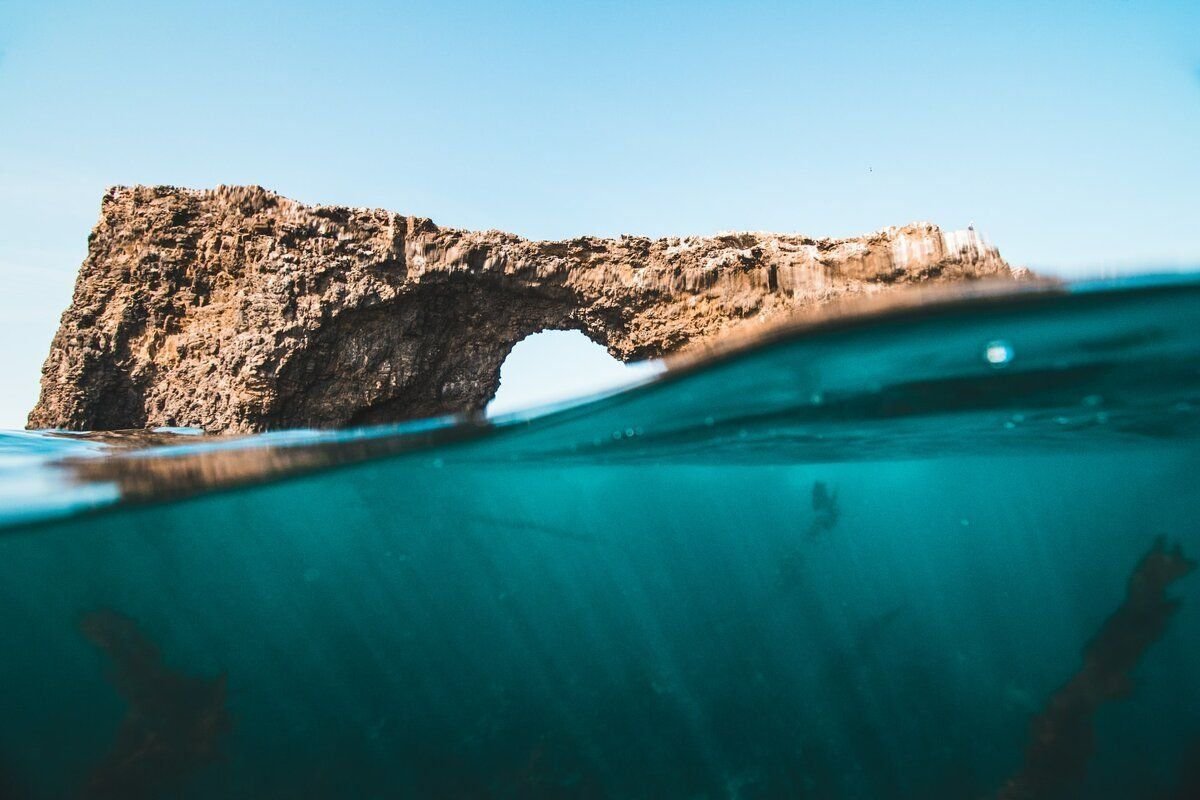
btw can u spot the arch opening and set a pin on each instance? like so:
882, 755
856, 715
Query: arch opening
554, 366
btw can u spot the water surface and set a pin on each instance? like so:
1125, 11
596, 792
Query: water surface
859, 560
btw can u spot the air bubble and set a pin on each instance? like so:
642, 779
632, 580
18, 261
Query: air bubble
998, 353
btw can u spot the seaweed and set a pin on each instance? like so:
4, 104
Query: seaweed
1062, 738
789, 572
1188, 786
174, 723
554, 769
854, 674
10, 789
825, 509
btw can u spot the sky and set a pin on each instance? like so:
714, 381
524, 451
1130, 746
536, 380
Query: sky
1068, 133
579, 366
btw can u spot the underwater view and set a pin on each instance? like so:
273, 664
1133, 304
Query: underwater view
945, 554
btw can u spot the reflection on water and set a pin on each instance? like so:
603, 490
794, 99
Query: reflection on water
863, 561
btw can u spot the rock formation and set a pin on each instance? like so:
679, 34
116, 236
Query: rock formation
237, 309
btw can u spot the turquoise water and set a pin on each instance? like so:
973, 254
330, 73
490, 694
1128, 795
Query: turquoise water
858, 561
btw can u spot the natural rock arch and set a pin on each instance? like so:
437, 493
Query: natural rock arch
437, 349
239, 310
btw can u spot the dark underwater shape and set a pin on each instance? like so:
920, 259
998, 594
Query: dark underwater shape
850, 560
825, 509
174, 724
1062, 739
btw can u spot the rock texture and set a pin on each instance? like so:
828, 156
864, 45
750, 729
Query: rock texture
237, 309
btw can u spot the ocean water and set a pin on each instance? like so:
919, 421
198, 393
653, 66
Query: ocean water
943, 554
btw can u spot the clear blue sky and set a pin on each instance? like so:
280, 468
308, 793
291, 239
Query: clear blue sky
1068, 132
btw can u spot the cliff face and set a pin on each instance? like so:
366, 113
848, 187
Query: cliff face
240, 310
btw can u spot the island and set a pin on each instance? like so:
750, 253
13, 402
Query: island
236, 309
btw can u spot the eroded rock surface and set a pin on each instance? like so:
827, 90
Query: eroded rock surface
237, 309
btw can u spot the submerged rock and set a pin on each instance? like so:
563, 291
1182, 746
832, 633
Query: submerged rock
236, 309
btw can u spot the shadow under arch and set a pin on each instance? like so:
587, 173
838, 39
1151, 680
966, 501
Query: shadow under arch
434, 350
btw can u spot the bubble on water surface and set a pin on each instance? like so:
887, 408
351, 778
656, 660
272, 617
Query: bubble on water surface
998, 353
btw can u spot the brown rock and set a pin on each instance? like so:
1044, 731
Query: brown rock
236, 309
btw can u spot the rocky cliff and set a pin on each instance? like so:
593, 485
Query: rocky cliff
237, 309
